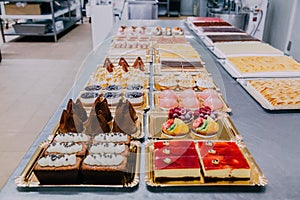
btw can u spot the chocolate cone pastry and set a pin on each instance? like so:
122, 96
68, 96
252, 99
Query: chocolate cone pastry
96, 123
124, 120
101, 107
108, 65
77, 109
138, 63
124, 64
70, 123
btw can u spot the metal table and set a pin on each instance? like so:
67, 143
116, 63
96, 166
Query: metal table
272, 138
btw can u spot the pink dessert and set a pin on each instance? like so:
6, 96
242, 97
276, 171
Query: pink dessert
208, 93
168, 94
168, 103
214, 103
188, 93
190, 103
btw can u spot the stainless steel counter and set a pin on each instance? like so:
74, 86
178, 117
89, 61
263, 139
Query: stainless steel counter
272, 138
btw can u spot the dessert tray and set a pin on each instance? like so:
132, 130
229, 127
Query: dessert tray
225, 107
28, 179
227, 131
255, 176
261, 66
274, 93
181, 81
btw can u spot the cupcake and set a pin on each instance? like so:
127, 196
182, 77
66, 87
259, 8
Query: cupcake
135, 97
134, 87
93, 88
113, 88
112, 97
88, 98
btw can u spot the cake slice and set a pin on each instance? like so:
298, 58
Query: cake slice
70, 123
101, 107
58, 169
176, 162
96, 123
223, 160
104, 168
77, 109
123, 63
77, 148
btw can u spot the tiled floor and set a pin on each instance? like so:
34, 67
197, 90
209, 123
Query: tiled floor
34, 79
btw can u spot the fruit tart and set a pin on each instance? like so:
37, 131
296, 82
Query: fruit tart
205, 127
175, 128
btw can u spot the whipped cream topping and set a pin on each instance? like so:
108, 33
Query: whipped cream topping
53, 160
111, 137
107, 147
64, 147
71, 137
104, 159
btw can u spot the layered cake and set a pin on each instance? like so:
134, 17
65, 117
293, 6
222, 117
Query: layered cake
176, 160
211, 23
58, 169
77, 148
209, 30
223, 160
104, 168
231, 38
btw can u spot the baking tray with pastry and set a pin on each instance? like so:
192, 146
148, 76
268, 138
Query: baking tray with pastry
112, 161
189, 98
274, 93
182, 123
261, 66
231, 49
184, 163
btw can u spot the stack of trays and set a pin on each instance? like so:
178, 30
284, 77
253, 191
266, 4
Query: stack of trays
173, 99
249, 59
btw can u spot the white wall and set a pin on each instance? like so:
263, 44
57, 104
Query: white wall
283, 25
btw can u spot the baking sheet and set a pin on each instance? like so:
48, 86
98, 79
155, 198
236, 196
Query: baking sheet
257, 177
27, 178
227, 131
261, 99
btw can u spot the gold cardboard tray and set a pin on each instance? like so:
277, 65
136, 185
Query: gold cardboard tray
27, 178
179, 75
262, 100
227, 130
257, 177
225, 107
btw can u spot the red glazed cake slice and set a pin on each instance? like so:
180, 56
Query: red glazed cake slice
178, 160
223, 160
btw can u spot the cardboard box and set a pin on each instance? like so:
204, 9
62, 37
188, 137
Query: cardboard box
22, 9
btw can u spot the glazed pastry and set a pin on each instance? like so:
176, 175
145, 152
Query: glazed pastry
123, 63
108, 65
138, 63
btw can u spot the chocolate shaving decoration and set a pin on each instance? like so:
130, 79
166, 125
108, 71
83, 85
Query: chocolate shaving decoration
101, 107
125, 118
124, 64
70, 122
97, 123
108, 65
77, 109
138, 63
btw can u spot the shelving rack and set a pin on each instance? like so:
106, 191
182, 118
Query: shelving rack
69, 15
169, 7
